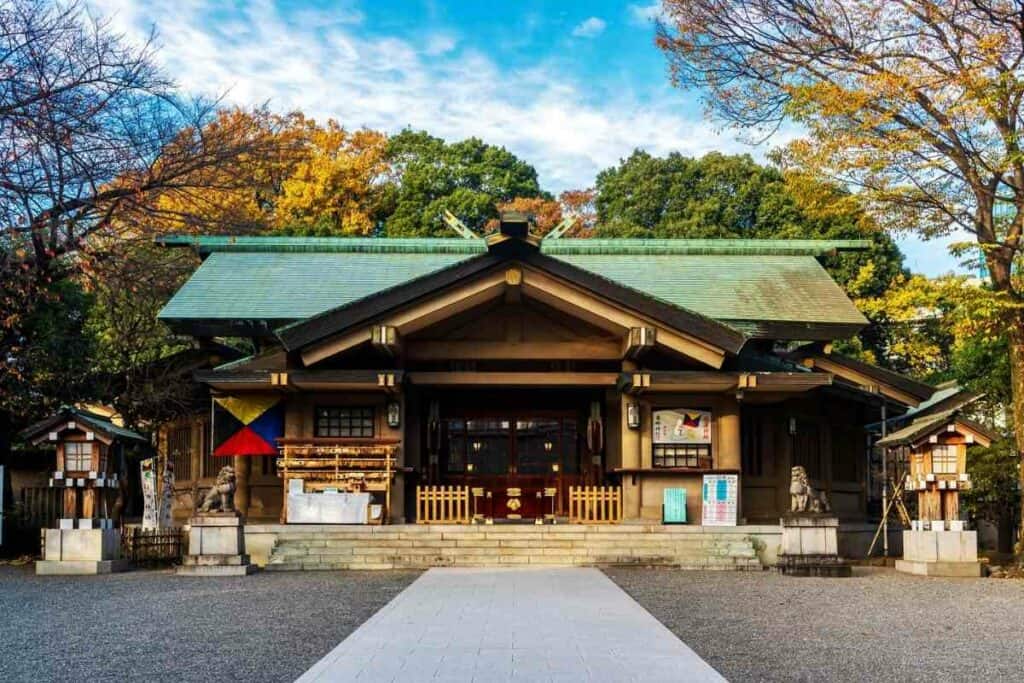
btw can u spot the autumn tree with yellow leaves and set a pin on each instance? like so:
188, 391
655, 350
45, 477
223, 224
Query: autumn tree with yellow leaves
917, 103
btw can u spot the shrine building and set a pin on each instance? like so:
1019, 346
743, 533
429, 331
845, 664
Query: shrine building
512, 377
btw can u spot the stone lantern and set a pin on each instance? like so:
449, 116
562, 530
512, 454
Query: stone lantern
88, 447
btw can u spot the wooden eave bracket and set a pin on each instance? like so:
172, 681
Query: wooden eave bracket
385, 338
387, 382
639, 340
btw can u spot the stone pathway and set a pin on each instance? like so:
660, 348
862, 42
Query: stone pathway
512, 624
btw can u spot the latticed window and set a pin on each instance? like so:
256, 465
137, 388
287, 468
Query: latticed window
682, 455
211, 464
344, 422
179, 449
944, 459
77, 456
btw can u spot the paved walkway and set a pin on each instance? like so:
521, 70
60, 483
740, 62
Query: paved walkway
512, 624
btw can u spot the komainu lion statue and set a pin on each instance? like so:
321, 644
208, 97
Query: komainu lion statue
803, 497
221, 494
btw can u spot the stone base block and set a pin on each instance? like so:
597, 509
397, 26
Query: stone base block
216, 544
214, 560
829, 566
216, 534
81, 545
810, 546
211, 565
80, 567
940, 553
810, 535
953, 569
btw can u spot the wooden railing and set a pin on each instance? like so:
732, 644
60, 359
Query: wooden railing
443, 505
343, 464
595, 504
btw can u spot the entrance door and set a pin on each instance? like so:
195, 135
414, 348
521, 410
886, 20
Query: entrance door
519, 459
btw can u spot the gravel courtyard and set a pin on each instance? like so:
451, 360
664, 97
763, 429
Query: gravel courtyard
153, 625
878, 625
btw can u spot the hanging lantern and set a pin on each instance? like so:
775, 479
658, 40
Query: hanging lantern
633, 415
394, 414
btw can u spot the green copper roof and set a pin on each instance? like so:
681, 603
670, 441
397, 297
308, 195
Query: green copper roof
732, 288
205, 245
749, 284
292, 286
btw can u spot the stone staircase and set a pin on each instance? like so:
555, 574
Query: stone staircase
420, 547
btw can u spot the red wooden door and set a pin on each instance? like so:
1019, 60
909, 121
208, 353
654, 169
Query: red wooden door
517, 458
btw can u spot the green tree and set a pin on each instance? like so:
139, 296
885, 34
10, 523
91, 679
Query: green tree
732, 196
469, 178
917, 103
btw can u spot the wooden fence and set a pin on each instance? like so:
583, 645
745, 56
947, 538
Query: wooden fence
595, 504
443, 505
152, 546
41, 507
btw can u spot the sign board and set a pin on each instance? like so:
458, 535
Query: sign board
673, 506
720, 494
682, 426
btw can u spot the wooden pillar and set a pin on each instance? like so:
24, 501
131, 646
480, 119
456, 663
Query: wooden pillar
729, 437
730, 447
89, 503
630, 440
243, 470
70, 502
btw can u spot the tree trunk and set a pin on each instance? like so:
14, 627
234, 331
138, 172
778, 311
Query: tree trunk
1017, 382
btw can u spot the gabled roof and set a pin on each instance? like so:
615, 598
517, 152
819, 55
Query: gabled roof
766, 288
95, 422
928, 425
358, 313
891, 384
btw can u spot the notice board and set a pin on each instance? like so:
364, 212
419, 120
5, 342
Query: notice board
720, 494
673, 506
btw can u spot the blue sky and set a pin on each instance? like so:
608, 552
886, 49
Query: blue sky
569, 86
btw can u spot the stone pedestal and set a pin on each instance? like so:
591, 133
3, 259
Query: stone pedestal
81, 551
810, 546
940, 553
216, 546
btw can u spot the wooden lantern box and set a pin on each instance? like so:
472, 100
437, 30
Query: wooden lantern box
938, 544
88, 450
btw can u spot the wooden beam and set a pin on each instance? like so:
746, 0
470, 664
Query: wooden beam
512, 350
416, 317
607, 316
865, 383
521, 379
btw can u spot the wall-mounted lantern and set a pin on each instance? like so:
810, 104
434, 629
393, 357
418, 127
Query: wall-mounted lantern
633, 415
394, 414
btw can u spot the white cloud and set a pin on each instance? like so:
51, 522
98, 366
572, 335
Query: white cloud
328, 67
643, 15
439, 44
589, 28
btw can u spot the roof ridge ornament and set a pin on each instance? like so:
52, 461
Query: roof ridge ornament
563, 227
453, 222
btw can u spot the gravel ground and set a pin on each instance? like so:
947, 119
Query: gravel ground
878, 625
153, 625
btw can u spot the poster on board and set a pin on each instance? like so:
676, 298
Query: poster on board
720, 495
682, 426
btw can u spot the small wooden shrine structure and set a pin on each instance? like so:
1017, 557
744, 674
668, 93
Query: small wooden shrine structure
89, 467
935, 450
89, 449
